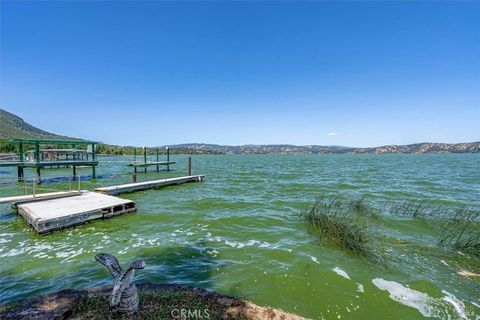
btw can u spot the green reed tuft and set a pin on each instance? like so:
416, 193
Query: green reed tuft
344, 223
462, 231
416, 209
335, 221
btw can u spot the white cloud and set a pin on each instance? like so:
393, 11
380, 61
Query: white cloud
332, 134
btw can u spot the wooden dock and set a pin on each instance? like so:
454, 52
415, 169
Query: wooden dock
47, 212
130, 187
42, 158
38, 197
49, 215
151, 163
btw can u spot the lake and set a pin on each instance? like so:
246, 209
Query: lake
240, 233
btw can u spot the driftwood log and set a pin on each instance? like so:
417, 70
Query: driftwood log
124, 295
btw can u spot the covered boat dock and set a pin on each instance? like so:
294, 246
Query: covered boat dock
52, 157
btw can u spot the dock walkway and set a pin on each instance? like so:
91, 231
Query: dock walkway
38, 197
151, 163
130, 187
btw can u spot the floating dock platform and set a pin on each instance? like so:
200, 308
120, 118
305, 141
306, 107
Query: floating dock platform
130, 187
38, 197
54, 214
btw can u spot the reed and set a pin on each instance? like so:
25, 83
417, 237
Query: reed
462, 231
344, 223
333, 220
416, 209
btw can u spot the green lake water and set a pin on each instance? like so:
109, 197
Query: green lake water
239, 233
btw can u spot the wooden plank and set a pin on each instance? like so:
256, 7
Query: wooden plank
12, 164
152, 163
33, 164
54, 214
38, 197
130, 187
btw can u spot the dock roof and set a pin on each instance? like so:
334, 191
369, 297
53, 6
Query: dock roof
48, 141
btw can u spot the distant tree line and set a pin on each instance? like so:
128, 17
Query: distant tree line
130, 150
7, 147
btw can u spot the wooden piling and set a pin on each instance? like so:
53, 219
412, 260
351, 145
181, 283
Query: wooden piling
158, 167
134, 178
168, 159
94, 173
189, 166
20, 152
145, 158
20, 174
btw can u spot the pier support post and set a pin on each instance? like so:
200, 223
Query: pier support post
168, 159
21, 159
145, 158
74, 171
20, 174
20, 152
39, 178
94, 172
134, 178
189, 166
37, 152
158, 167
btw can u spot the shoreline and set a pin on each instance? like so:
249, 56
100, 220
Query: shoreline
76, 304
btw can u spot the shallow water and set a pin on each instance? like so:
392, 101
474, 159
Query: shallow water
239, 233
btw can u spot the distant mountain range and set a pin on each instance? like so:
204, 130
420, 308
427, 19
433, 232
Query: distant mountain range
12, 126
426, 147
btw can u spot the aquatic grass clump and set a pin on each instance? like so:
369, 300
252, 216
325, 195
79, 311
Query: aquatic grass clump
416, 209
462, 231
361, 207
332, 219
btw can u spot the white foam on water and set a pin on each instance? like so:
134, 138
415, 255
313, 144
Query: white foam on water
475, 304
467, 273
457, 304
426, 305
265, 244
360, 288
341, 273
7, 234
13, 252
72, 254
314, 259
444, 262
231, 244
406, 296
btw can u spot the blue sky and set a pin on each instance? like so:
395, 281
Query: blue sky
329, 73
